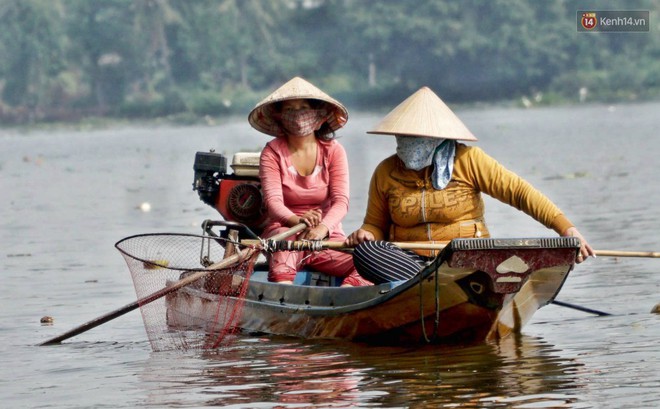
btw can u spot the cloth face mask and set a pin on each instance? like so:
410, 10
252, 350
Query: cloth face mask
302, 122
415, 152
418, 153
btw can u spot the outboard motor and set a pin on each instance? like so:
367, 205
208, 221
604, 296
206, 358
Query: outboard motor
236, 196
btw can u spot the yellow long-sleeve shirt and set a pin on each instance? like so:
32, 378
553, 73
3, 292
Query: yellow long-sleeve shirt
404, 206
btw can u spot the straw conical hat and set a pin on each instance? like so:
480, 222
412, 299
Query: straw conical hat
261, 117
424, 114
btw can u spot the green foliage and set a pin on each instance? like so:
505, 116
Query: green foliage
211, 58
207, 102
32, 50
153, 106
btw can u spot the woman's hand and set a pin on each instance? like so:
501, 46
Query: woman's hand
319, 232
585, 248
357, 237
312, 218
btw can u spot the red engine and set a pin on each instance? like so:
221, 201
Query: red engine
237, 196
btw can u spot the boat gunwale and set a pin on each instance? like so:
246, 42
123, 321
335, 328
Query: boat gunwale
383, 292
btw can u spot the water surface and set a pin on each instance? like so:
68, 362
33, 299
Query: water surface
68, 196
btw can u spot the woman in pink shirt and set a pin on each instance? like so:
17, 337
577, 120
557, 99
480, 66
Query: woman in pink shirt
304, 178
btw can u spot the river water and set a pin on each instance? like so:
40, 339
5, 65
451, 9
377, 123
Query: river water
69, 195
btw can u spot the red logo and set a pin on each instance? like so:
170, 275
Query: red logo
589, 21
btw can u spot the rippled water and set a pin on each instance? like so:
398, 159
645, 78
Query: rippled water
68, 196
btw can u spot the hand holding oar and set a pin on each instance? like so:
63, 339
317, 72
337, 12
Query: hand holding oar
227, 262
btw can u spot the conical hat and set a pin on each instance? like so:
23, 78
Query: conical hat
424, 114
261, 117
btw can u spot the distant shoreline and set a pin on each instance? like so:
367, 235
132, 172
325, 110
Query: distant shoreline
109, 122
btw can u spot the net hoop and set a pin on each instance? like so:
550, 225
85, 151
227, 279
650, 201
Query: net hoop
156, 260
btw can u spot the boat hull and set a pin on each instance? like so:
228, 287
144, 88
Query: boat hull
476, 289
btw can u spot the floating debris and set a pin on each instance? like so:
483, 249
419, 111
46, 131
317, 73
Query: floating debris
572, 175
47, 320
656, 309
155, 264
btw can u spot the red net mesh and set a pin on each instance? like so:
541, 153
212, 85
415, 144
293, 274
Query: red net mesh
198, 315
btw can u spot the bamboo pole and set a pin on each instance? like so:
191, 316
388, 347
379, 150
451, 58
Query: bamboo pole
580, 308
620, 253
338, 245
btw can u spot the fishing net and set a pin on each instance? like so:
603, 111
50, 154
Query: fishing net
200, 314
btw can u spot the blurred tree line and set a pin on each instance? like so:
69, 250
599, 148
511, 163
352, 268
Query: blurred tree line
65, 59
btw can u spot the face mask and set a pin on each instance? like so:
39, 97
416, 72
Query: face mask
302, 122
415, 152
418, 153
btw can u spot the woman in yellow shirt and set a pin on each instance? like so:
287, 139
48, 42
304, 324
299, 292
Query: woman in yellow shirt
430, 191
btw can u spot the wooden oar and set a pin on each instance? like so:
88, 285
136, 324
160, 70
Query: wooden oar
580, 308
164, 291
338, 245
619, 253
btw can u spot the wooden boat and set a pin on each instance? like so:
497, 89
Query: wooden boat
475, 290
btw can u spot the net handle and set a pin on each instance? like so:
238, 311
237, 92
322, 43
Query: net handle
164, 291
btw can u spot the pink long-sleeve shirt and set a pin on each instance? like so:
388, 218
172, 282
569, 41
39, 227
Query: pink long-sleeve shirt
287, 193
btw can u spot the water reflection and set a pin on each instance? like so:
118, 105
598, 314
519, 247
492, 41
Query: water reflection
282, 373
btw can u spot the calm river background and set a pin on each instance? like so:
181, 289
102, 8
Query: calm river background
68, 196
